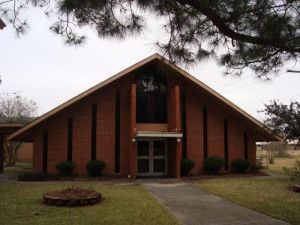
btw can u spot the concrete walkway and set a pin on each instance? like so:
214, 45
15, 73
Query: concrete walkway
4, 177
193, 206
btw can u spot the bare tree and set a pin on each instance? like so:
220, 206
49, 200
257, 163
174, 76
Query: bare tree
15, 109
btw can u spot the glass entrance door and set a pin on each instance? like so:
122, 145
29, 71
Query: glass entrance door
151, 157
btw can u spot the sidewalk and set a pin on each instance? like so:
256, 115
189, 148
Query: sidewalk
193, 206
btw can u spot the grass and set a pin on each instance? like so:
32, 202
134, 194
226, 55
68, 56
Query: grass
19, 168
279, 163
270, 196
21, 204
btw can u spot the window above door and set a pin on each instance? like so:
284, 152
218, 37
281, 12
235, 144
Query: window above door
151, 102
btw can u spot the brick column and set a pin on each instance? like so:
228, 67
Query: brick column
178, 158
132, 149
174, 123
177, 107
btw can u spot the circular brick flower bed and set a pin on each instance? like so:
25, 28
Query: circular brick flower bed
72, 197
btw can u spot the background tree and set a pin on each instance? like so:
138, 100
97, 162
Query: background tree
284, 119
261, 35
15, 109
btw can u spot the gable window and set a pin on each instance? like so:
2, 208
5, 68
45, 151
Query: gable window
151, 100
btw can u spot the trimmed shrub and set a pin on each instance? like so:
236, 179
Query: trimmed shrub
240, 165
214, 164
95, 167
37, 176
186, 165
66, 168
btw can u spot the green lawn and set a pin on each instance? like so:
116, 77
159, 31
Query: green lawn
279, 163
19, 168
267, 195
21, 204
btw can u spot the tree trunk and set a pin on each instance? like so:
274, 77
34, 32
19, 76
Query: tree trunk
11, 152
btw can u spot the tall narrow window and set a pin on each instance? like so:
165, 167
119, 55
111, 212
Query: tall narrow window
151, 99
245, 145
226, 143
183, 124
70, 139
205, 145
117, 132
45, 151
94, 131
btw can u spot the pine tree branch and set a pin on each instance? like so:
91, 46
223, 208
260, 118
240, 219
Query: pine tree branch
203, 7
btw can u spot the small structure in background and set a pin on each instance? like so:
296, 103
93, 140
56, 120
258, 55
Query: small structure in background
24, 153
2, 24
289, 146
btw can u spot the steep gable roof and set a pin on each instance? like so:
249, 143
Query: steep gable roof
125, 72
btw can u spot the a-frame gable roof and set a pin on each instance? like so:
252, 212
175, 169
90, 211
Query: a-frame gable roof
124, 73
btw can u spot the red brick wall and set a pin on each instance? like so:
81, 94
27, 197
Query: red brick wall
37, 157
194, 131
196, 99
81, 113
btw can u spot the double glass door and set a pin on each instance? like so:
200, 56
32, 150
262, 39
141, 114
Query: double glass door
152, 157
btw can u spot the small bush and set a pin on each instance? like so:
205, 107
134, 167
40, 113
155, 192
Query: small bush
271, 160
37, 176
256, 168
95, 167
294, 172
240, 165
66, 168
186, 166
214, 164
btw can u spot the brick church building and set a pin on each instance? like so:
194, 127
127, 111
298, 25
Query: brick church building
142, 122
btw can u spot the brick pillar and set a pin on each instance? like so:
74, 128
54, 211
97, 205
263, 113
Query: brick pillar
177, 121
174, 123
178, 158
177, 107
132, 149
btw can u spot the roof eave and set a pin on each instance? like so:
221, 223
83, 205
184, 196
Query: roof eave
21, 131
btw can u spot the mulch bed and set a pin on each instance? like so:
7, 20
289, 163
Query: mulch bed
72, 197
296, 187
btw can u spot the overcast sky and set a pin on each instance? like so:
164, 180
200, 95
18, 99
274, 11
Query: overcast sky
43, 68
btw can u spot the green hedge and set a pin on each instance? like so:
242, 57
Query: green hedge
186, 166
66, 168
95, 167
214, 164
240, 165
